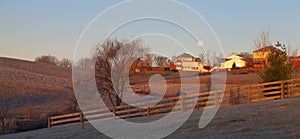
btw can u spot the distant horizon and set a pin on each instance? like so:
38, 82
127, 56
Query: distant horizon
34, 28
59, 58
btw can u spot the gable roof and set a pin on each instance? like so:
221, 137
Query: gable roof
185, 55
234, 56
265, 49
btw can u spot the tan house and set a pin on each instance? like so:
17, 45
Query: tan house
260, 56
233, 59
187, 62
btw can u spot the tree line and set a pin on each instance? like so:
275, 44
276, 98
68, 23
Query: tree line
53, 60
151, 59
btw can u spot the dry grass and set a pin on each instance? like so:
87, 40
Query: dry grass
37, 91
140, 81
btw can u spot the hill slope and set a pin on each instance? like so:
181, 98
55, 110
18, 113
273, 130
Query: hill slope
39, 68
35, 90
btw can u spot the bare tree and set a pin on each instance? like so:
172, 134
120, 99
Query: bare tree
48, 59
149, 59
291, 53
206, 59
113, 62
84, 63
247, 56
211, 59
295, 52
202, 57
173, 58
65, 62
216, 59
263, 40
161, 61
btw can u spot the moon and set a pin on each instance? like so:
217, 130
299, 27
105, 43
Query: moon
200, 43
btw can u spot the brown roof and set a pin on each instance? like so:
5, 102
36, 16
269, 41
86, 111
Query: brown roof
198, 60
185, 55
265, 49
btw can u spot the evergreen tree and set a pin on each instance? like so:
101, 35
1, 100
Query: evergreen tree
278, 66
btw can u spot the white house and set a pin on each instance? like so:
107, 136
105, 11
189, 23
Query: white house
230, 60
187, 62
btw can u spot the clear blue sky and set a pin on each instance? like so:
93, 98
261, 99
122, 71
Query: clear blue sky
35, 27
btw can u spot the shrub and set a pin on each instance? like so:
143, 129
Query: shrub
233, 66
278, 67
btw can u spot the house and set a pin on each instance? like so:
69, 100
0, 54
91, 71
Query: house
172, 65
187, 62
295, 62
260, 56
231, 60
140, 65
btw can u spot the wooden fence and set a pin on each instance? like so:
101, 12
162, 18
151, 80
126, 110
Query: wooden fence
232, 96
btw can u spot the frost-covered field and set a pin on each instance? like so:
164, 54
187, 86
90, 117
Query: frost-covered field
268, 119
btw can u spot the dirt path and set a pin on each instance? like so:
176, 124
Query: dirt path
268, 119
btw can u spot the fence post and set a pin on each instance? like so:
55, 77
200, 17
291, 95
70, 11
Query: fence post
282, 89
182, 102
231, 97
238, 101
148, 110
81, 120
288, 89
49, 122
249, 94
216, 98
114, 112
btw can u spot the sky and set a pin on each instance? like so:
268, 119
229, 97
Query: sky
32, 28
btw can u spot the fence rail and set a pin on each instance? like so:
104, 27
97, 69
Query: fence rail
232, 96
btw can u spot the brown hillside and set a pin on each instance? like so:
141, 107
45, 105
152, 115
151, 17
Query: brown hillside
36, 90
39, 68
